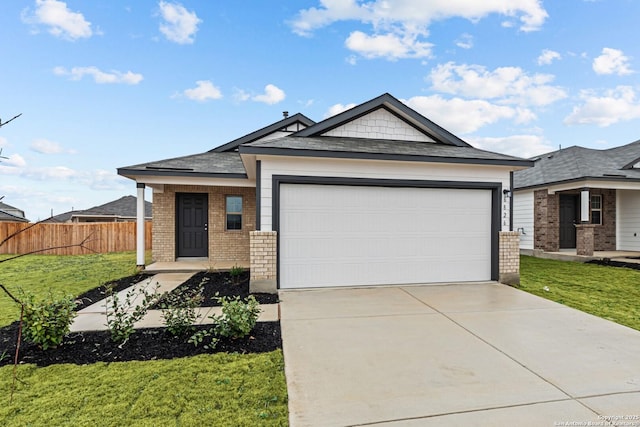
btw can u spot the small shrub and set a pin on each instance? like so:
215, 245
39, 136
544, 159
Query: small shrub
46, 322
238, 317
179, 310
198, 338
122, 316
235, 272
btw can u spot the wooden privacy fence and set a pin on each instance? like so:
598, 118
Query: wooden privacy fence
102, 237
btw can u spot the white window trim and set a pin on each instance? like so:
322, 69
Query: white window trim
599, 196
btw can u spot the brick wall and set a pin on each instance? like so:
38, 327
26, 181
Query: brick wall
546, 218
264, 258
509, 258
604, 235
585, 239
232, 245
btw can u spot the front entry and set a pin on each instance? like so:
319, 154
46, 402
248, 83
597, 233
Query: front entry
192, 225
569, 215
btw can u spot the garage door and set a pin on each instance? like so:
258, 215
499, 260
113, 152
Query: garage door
338, 235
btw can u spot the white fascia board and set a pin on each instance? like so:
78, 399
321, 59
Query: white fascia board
249, 162
157, 181
616, 185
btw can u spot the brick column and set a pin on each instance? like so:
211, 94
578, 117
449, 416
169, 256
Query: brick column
263, 256
509, 270
584, 239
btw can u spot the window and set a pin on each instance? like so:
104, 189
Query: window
596, 209
234, 212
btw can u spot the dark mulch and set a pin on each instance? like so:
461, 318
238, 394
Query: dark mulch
611, 263
96, 294
222, 284
82, 348
146, 344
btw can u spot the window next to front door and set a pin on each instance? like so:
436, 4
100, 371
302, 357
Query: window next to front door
596, 209
234, 213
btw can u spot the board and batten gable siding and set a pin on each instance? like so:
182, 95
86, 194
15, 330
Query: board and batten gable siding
523, 217
371, 169
628, 220
379, 124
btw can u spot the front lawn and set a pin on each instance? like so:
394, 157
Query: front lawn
210, 389
206, 390
68, 274
612, 293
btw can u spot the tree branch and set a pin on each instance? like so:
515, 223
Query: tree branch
9, 294
81, 245
10, 120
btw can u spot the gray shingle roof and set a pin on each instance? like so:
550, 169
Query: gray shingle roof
377, 148
6, 216
203, 164
578, 163
124, 207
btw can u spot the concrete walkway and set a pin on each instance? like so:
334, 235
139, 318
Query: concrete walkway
467, 354
93, 318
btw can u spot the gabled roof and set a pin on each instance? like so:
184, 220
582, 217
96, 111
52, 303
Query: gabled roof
209, 164
6, 216
579, 163
379, 149
284, 125
10, 213
124, 207
395, 107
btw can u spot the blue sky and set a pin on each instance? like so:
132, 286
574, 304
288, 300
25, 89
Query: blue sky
106, 84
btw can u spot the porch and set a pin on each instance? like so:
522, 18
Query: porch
631, 257
193, 265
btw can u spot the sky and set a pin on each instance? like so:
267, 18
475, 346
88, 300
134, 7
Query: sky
106, 84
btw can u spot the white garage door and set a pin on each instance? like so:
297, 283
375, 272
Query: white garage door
332, 235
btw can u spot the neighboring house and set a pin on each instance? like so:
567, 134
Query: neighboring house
375, 195
580, 198
121, 210
10, 214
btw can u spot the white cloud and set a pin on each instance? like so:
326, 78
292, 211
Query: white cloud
463, 116
509, 85
61, 21
100, 77
525, 146
548, 56
13, 161
272, 95
613, 106
44, 146
337, 109
204, 91
465, 41
180, 25
3, 142
240, 95
612, 61
399, 27
390, 46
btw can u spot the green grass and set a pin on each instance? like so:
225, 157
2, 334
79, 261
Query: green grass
60, 275
612, 293
216, 389
206, 390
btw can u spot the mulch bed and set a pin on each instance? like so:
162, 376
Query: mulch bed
146, 344
611, 263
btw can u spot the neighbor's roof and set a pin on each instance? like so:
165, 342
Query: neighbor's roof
579, 163
124, 207
382, 149
6, 216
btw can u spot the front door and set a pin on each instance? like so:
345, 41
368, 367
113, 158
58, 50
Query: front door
568, 218
191, 225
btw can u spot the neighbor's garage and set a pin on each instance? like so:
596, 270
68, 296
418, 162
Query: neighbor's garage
341, 235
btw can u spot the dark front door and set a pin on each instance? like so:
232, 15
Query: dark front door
568, 218
191, 224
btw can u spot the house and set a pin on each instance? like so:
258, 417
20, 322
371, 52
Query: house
375, 195
10, 214
120, 210
580, 198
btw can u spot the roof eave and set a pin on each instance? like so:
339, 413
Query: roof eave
580, 179
128, 173
381, 156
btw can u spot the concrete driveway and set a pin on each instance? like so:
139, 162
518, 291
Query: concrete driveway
465, 354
